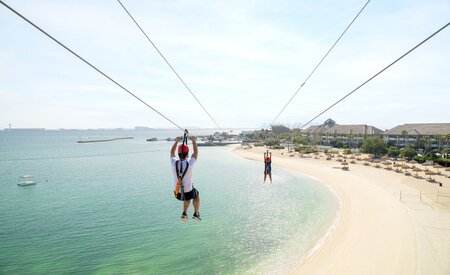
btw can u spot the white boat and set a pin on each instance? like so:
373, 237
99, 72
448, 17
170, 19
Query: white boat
27, 180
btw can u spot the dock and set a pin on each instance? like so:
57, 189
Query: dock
102, 140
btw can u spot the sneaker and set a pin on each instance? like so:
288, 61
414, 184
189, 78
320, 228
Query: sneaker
184, 217
196, 216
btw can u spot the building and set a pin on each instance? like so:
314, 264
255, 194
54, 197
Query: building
434, 135
330, 132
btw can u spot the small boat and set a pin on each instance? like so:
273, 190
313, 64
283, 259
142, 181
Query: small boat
152, 139
26, 180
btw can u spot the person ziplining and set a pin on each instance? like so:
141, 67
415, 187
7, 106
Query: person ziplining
268, 165
182, 170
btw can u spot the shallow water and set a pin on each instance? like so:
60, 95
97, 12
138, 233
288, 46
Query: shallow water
108, 208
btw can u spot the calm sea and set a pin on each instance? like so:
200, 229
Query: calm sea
108, 208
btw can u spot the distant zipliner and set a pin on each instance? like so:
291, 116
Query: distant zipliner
182, 171
268, 165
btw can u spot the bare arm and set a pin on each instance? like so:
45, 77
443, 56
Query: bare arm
194, 144
174, 147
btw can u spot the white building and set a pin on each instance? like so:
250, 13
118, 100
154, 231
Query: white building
330, 132
435, 135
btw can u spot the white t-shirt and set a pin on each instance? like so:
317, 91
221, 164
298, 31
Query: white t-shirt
187, 180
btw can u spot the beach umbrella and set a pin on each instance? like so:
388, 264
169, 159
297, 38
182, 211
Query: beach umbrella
405, 169
417, 170
387, 163
352, 157
397, 165
344, 165
447, 169
377, 163
426, 165
437, 166
339, 156
402, 160
430, 173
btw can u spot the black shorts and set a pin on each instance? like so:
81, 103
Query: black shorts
193, 194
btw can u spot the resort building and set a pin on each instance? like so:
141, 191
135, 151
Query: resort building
329, 133
434, 135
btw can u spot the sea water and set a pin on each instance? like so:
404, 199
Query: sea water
103, 208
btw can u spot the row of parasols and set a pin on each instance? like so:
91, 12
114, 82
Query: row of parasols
403, 167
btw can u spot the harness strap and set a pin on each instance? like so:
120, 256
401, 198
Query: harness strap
180, 172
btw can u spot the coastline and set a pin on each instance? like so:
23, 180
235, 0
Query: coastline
376, 233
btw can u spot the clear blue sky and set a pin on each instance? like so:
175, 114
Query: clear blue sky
243, 59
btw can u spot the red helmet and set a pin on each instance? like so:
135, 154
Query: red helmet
183, 149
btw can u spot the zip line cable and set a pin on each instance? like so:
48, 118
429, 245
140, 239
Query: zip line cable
385, 68
92, 66
320, 62
167, 62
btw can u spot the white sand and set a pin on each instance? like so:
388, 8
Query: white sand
377, 232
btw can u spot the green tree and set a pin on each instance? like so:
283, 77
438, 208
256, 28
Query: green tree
447, 138
337, 143
440, 140
420, 142
408, 152
393, 152
374, 145
404, 133
272, 142
350, 140
445, 153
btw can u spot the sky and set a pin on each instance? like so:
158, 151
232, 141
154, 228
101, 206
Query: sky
242, 59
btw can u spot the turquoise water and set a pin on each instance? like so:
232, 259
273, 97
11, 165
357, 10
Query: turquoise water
103, 208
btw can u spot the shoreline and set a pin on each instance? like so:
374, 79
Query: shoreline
377, 233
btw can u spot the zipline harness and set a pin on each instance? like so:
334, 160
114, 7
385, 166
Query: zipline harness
179, 189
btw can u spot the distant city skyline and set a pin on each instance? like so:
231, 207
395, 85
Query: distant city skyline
243, 60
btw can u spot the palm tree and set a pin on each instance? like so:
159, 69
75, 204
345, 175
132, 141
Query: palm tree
440, 139
447, 138
350, 140
321, 138
404, 133
420, 142
427, 143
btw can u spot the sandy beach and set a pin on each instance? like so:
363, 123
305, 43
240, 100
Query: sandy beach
379, 231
